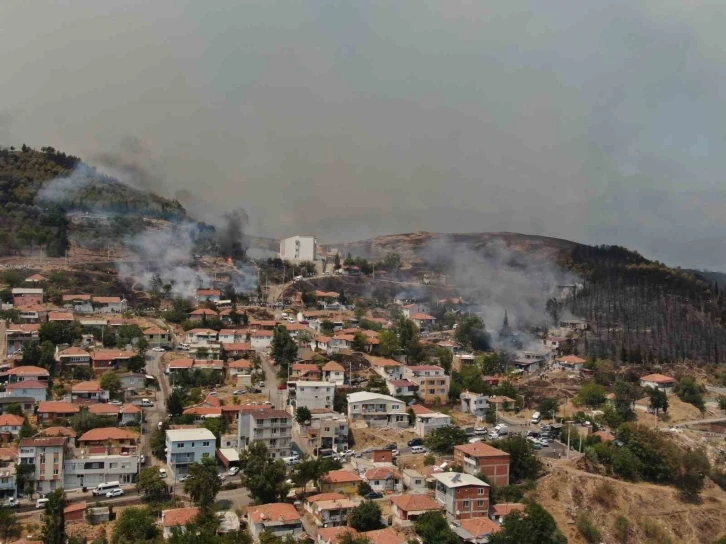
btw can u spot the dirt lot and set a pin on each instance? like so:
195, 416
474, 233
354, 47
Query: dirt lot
374, 437
655, 513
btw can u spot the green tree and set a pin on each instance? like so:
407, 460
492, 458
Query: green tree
326, 327
523, 463
359, 341
587, 528
158, 442
471, 332
202, 485
284, 349
58, 332
264, 478
111, 383
364, 488
443, 439
303, 415
446, 359
536, 526
150, 483
689, 391
8, 524
689, 480
309, 299
388, 343
137, 363
135, 524
366, 517
175, 402
27, 430
31, 354
547, 407
432, 528
47, 356
14, 408
54, 526
591, 394
658, 399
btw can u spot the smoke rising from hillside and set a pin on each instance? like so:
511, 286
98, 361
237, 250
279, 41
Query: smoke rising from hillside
501, 280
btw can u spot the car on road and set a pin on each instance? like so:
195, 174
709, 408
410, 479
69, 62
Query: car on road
418, 449
162, 472
536, 446
256, 390
115, 493
183, 347
40, 503
297, 278
395, 453
11, 503
146, 403
116, 403
222, 476
142, 459
158, 349
545, 441
373, 495
391, 446
415, 442
239, 392
233, 471
261, 384
480, 431
282, 386
183, 478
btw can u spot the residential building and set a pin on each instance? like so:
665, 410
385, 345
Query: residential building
482, 458
312, 395
187, 446
500, 511
90, 468
89, 391
132, 381
241, 371
333, 535
298, 248
51, 411
327, 429
409, 310
27, 404
571, 363
79, 303
427, 420
36, 278
384, 479
158, 337
383, 536
432, 381
658, 381
121, 440
279, 519
16, 336
48, 455
501, 402
8, 482
239, 349
28, 373
330, 509
177, 519
201, 314
388, 369
340, 342
407, 508
305, 372
11, 424
402, 388
104, 409
208, 295
340, 481
424, 322
334, 373
273, 427
34, 389
104, 360
463, 496
75, 512
72, 357
413, 481
476, 530
129, 413
23, 296
108, 305
32, 314
474, 403
261, 339
201, 337
60, 317
377, 410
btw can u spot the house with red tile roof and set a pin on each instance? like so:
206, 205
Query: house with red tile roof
407, 508
571, 363
89, 391
73, 356
280, 519
32, 313
200, 314
388, 369
158, 337
10, 423
384, 536
108, 435
177, 518
109, 359
476, 530
50, 411
17, 335
333, 372
330, 509
60, 317
501, 510
432, 382
36, 278
35, 389
129, 413
333, 535
658, 381
208, 295
340, 481
305, 371
384, 479
239, 349
23, 373
104, 409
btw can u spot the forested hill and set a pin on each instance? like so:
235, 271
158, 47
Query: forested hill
645, 311
37, 188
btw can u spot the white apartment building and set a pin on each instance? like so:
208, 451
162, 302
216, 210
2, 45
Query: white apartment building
273, 427
474, 403
432, 381
327, 429
388, 369
377, 410
425, 423
298, 248
91, 470
312, 395
187, 446
8, 483
48, 456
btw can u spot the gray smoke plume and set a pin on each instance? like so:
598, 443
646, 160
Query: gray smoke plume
132, 164
498, 279
231, 235
63, 189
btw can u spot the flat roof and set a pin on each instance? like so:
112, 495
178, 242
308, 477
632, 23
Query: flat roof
179, 435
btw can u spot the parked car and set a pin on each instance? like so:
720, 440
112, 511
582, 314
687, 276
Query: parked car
146, 402
115, 493
142, 459
11, 503
391, 446
536, 445
158, 349
221, 476
162, 472
282, 386
239, 391
184, 478
233, 471
373, 495
415, 442
116, 403
479, 431
418, 449
40, 503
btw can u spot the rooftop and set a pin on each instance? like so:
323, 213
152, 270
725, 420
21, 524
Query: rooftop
363, 396
107, 433
480, 527
28, 371
658, 378
505, 508
178, 516
53, 407
480, 450
415, 502
341, 476
279, 511
181, 435
457, 479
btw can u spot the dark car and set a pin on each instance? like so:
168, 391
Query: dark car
392, 446
373, 495
415, 442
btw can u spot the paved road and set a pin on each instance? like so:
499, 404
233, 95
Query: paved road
158, 412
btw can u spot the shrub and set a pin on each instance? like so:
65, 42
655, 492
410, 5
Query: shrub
587, 528
621, 529
655, 532
604, 494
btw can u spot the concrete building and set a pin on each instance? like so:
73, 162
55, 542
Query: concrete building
658, 381
279, 519
413, 481
340, 481
388, 369
432, 381
177, 519
474, 403
312, 395
72, 357
327, 429
91, 469
407, 508
187, 446
23, 296
483, 458
462, 495
48, 456
273, 427
298, 248
427, 420
16, 336
377, 410
89, 391
35, 389
334, 373
11, 424
8, 482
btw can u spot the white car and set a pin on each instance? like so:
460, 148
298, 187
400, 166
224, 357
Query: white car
115, 493
158, 350
162, 472
233, 471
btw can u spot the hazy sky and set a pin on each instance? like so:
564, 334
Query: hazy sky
600, 122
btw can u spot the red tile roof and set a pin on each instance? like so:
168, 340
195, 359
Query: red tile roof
58, 431
384, 536
237, 346
203, 311
71, 298
505, 508
51, 407
107, 433
421, 410
93, 386
111, 354
27, 384
42, 442
103, 409
241, 363
334, 534
204, 411
341, 476
480, 450
280, 511
381, 473
28, 371
658, 378
73, 350
415, 502
325, 497
155, 331
480, 527
11, 420
385, 363
208, 292
75, 507
130, 409
179, 516
106, 300
333, 366
60, 316
181, 363
571, 359
423, 317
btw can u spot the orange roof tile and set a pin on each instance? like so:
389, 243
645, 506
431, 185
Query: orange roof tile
204, 411
107, 433
28, 371
334, 534
73, 350
27, 384
241, 363
103, 409
280, 511
51, 407
93, 386
179, 516
658, 378
480, 450
381, 473
11, 420
341, 476
333, 366
384, 536
571, 359
505, 508
480, 527
325, 497
130, 409
415, 502
74, 507
58, 431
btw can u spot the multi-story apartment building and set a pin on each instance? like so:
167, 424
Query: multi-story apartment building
388, 369
187, 446
474, 403
272, 427
8, 484
334, 373
428, 420
327, 429
462, 495
48, 456
298, 248
312, 395
432, 381
89, 470
483, 458
377, 410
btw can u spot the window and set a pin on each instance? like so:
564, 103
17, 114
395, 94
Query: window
481, 490
114, 465
467, 504
55, 472
205, 454
180, 445
205, 444
480, 504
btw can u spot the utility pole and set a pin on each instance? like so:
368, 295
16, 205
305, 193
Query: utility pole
569, 432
